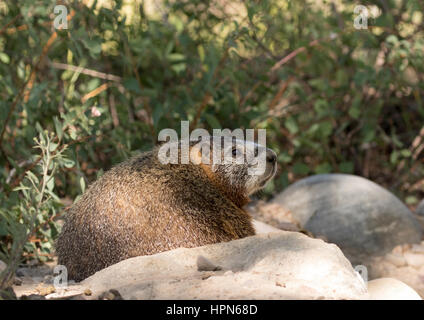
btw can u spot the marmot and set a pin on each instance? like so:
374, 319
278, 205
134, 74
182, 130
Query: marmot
142, 207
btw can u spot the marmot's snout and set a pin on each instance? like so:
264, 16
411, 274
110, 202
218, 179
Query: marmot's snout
271, 165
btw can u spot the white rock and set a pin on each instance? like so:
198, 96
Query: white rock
391, 289
279, 265
261, 227
397, 259
418, 248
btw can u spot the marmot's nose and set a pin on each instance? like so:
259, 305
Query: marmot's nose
271, 156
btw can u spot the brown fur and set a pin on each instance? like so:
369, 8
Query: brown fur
142, 207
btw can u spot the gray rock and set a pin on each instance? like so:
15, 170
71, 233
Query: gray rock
279, 265
420, 209
361, 217
204, 264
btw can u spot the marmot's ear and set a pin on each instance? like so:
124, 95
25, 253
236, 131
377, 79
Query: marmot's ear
195, 141
159, 143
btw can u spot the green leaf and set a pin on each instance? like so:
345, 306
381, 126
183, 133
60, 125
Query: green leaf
82, 184
58, 127
174, 57
68, 163
131, 84
300, 168
94, 46
4, 58
323, 168
393, 157
355, 110
179, 67
325, 128
30, 175
346, 167
53, 146
284, 157
321, 107
212, 121
50, 183
405, 153
291, 125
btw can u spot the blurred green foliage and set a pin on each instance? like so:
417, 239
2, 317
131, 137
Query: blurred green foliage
332, 98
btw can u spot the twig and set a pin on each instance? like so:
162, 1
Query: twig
95, 92
280, 92
89, 72
113, 112
293, 54
10, 23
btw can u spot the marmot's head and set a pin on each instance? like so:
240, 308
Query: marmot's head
238, 167
244, 167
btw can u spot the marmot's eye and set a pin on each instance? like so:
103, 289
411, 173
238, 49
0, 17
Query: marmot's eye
235, 152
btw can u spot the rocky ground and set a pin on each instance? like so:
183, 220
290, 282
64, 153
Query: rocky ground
312, 239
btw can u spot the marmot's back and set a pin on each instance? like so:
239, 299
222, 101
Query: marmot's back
142, 207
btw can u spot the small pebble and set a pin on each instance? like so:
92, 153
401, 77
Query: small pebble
397, 259
87, 292
17, 281
44, 291
112, 294
418, 248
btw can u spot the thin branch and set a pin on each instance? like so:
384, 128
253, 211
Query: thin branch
95, 92
283, 88
89, 72
10, 23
